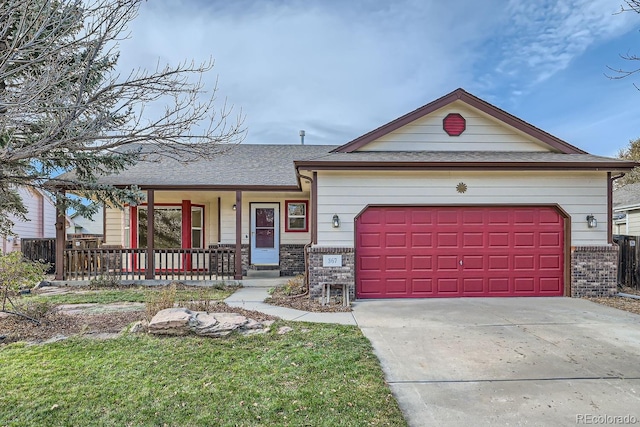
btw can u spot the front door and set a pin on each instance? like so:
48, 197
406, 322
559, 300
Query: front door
265, 233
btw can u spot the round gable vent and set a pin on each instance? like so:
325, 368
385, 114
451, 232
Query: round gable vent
454, 124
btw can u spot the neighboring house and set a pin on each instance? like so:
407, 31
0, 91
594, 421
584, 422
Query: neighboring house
457, 198
626, 210
41, 220
83, 226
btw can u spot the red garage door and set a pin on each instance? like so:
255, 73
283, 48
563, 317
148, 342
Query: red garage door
424, 252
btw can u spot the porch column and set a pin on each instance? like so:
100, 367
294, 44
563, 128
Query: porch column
314, 209
61, 236
151, 269
238, 256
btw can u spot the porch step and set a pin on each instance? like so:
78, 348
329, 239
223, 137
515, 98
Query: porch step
262, 274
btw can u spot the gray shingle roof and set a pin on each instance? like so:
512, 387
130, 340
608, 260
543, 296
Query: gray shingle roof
627, 195
467, 159
264, 166
241, 165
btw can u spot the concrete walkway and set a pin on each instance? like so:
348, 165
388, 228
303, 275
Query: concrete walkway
254, 292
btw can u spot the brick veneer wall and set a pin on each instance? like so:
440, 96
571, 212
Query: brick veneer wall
291, 260
594, 271
245, 254
319, 274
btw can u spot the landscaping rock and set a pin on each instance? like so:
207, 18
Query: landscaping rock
171, 321
139, 327
284, 330
180, 321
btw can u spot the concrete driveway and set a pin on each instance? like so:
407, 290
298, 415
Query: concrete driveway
507, 361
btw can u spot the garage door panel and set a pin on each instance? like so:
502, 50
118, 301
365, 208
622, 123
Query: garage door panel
395, 262
550, 285
422, 286
370, 263
498, 285
497, 217
421, 240
447, 240
524, 240
421, 263
459, 251
473, 285
447, 263
550, 262
473, 262
447, 285
524, 262
370, 240
498, 262
396, 217
525, 217
498, 240
550, 239
473, 240
396, 286
395, 240
523, 285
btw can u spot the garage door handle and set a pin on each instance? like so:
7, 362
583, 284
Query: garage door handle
460, 262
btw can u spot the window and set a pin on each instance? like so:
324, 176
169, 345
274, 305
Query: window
196, 227
297, 219
167, 224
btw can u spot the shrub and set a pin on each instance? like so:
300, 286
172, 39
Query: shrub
105, 281
156, 301
18, 273
294, 286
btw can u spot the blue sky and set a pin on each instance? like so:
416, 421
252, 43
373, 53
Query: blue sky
339, 69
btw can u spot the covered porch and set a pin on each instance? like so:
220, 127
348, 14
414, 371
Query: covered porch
202, 234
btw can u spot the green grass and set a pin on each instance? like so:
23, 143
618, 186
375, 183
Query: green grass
317, 375
132, 294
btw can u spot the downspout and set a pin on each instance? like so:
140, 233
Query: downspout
306, 247
610, 206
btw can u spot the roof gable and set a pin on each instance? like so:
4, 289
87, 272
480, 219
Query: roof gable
488, 128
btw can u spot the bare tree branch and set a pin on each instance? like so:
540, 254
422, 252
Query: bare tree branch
64, 107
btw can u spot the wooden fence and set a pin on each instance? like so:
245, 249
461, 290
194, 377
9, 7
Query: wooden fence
131, 264
43, 250
628, 274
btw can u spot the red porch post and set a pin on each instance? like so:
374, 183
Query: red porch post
61, 237
238, 256
150, 273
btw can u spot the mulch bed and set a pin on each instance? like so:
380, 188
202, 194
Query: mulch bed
621, 303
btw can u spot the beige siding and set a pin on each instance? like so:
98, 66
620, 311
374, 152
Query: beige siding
229, 216
634, 223
115, 227
348, 193
41, 217
117, 221
483, 133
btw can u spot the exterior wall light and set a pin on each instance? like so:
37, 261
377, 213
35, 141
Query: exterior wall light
234, 207
335, 222
592, 222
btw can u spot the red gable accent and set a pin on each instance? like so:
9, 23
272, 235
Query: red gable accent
473, 101
454, 124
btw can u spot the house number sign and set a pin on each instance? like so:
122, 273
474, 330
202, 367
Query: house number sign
332, 260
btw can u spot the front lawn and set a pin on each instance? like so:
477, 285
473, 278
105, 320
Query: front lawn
316, 375
130, 294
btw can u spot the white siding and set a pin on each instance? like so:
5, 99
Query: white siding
348, 193
483, 133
